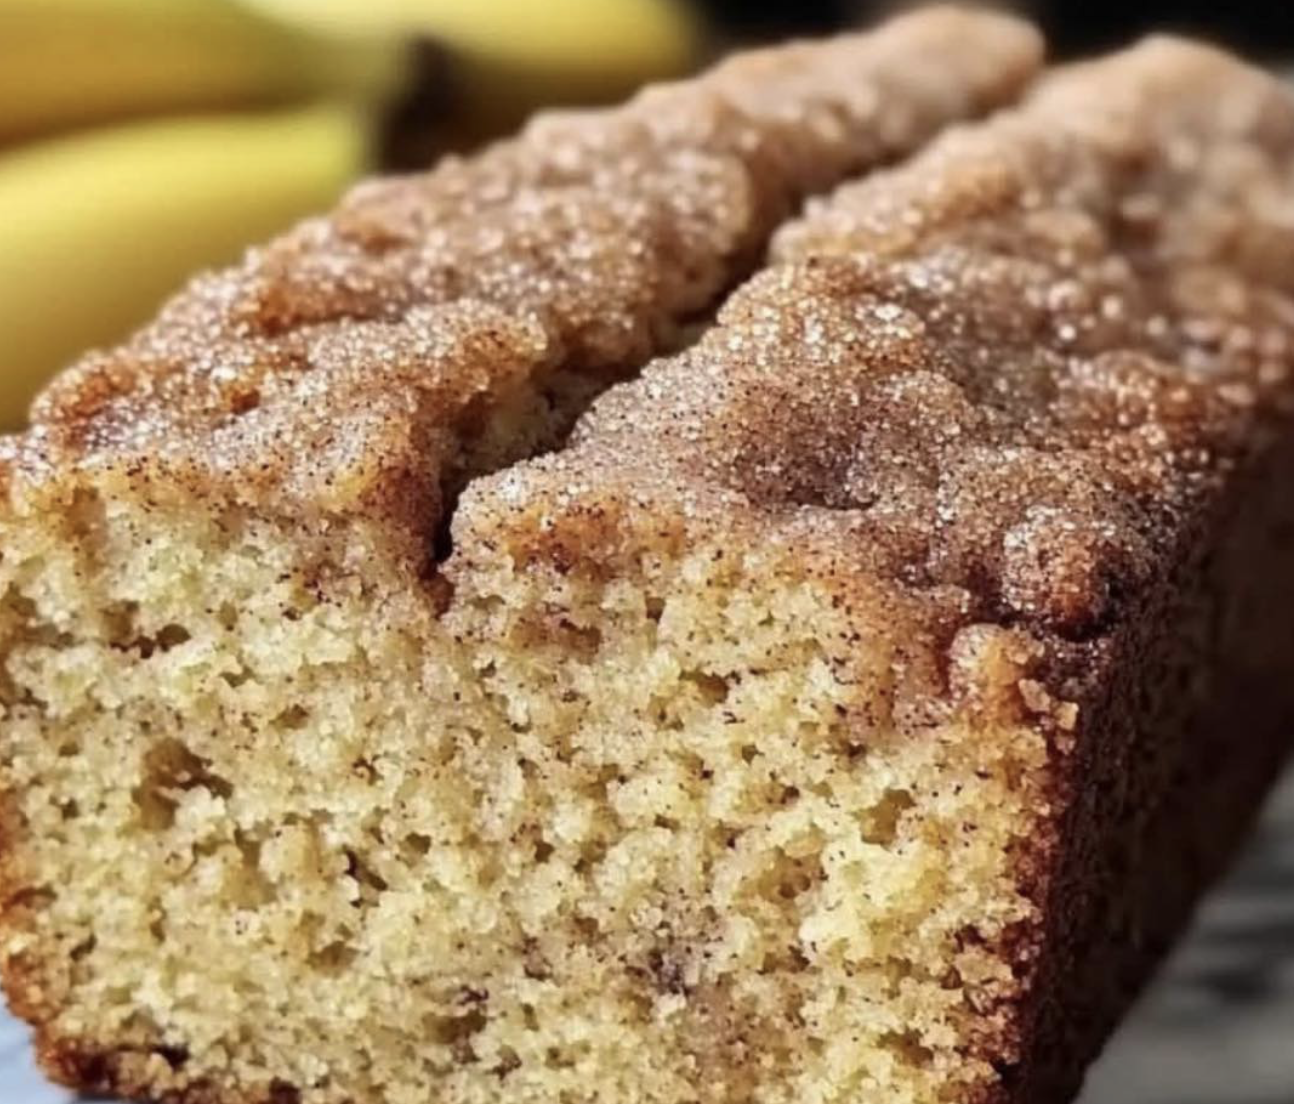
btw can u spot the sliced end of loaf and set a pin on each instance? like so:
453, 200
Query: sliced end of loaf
287, 822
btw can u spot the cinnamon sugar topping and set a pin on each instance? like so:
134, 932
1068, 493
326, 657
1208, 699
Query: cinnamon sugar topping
1017, 366
354, 351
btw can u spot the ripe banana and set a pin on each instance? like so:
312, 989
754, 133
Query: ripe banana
66, 63
542, 52
99, 228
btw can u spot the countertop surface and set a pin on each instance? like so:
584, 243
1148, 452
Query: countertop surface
1217, 1028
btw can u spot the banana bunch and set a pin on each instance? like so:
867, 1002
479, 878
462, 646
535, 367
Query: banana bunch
143, 140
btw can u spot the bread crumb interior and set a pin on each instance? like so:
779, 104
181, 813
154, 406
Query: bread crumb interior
286, 823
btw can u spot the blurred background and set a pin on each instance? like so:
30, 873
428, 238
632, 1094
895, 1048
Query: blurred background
142, 140
1262, 26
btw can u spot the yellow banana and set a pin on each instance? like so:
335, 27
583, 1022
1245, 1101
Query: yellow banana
66, 63
532, 52
99, 228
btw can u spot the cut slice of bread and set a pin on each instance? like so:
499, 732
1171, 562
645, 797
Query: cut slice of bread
851, 710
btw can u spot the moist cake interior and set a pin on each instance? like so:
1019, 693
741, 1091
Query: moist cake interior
328, 833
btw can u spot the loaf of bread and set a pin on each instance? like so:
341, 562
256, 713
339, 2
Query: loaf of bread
850, 708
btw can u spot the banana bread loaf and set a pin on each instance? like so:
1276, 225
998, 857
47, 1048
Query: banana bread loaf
851, 709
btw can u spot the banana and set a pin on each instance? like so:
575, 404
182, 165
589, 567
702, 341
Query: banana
67, 63
98, 228
526, 50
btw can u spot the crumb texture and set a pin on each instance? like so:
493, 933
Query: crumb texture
646, 839
729, 756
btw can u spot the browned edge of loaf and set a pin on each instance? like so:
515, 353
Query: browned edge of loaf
1035, 382
1175, 759
335, 370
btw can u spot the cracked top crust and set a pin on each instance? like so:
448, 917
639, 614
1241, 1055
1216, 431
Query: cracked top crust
341, 366
1008, 378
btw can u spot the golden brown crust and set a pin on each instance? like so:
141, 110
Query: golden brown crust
1193, 715
337, 366
1008, 372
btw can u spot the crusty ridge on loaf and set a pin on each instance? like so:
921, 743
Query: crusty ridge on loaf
448, 322
819, 724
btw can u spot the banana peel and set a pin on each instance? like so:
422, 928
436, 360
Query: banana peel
74, 63
100, 228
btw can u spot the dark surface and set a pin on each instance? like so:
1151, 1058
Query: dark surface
1261, 28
